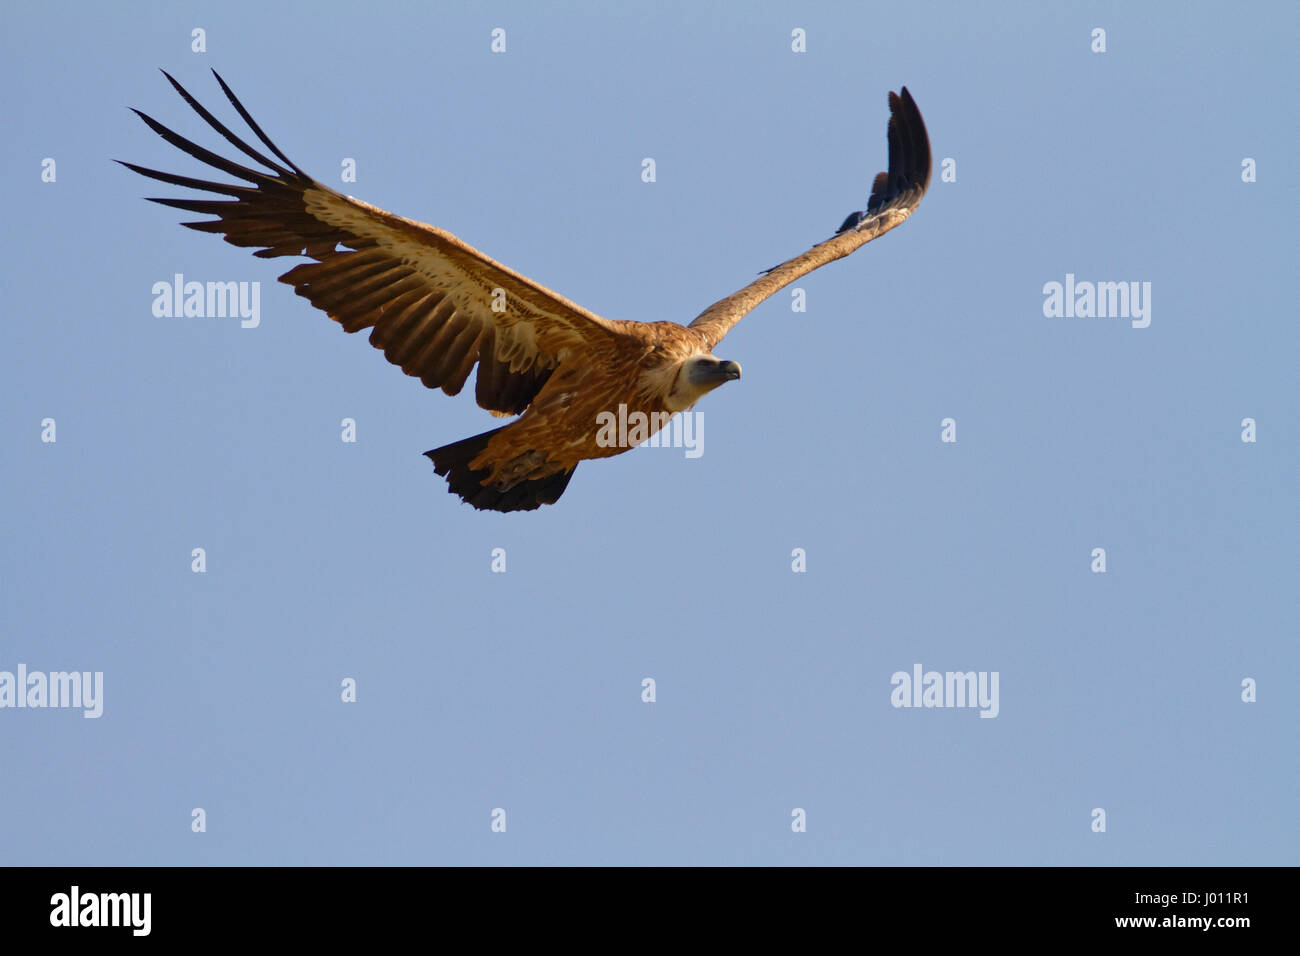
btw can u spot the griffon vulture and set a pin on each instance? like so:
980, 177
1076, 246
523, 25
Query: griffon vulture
429, 299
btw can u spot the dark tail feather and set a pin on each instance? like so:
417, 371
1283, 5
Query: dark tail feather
453, 462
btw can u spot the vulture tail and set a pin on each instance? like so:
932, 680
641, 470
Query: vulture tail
453, 460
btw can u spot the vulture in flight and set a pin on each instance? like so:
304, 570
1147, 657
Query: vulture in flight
438, 307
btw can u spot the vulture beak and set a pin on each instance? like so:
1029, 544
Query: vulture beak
707, 375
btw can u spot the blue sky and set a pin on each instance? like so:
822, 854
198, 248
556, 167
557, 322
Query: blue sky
522, 690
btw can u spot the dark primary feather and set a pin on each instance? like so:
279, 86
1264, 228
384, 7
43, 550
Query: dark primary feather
895, 193
909, 163
909, 160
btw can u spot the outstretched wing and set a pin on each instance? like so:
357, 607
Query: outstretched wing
894, 194
427, 295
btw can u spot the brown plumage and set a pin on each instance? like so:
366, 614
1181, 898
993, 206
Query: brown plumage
437, 307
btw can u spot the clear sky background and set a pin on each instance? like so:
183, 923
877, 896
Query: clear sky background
478, 690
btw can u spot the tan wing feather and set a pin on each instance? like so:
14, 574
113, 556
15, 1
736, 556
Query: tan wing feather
894, 194
427, 295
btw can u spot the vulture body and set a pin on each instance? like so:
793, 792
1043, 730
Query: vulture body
438, 307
